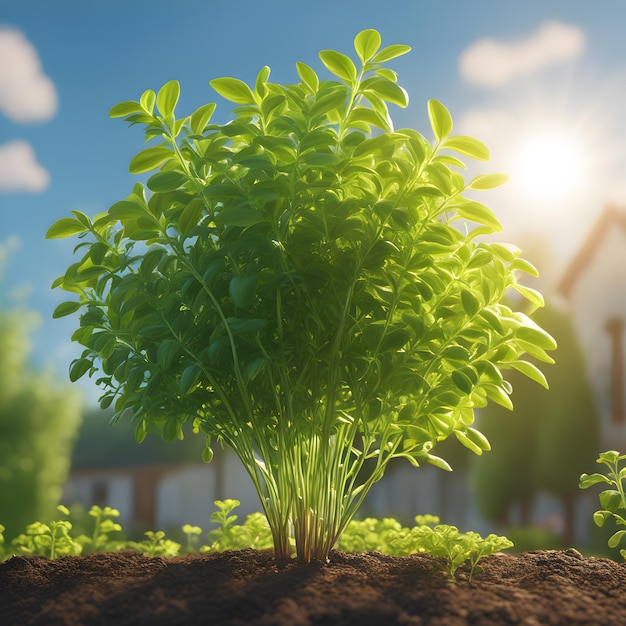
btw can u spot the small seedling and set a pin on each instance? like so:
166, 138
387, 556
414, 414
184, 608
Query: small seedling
192, 534
50, 540
612, 501
155, 544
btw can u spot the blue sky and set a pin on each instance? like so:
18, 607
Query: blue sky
508, 72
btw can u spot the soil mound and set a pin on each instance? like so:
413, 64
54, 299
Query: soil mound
249, 587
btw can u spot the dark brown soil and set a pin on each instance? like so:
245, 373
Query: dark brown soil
247, 587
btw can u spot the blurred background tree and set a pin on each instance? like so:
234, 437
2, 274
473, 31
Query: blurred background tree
549, 439
39, 419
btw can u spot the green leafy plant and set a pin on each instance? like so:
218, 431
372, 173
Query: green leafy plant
155, 544
428, 536
445, 541
305, 284
383, 535
50, 540
106, 535
613, 500
253, 533
192, 534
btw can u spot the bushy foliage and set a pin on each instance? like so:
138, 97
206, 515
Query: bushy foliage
294, 283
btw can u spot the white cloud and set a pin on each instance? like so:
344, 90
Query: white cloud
493, 63
19, 170
26, 93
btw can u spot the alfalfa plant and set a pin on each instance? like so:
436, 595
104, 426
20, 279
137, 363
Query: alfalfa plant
293, 282
613, 499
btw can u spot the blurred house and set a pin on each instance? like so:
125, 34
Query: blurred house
594, 286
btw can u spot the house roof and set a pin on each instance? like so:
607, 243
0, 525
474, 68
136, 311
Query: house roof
610, 217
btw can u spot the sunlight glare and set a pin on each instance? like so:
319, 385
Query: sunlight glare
550, 165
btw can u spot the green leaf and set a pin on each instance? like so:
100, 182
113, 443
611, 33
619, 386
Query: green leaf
339, 64
127, 210
166, 181
128, 107
201, 117
233, 89
207, 454
79, 368
65, 227
611, 500
471, 304
438, 462
166, 353
479, 213
366, 44
149, 159
190, 216
189, 378
588, 480
467, 146
387, 90
530, 294
167, 98
240, 216
308, 76
531, 371
391, 52
467, 442
66, 308
462, 381
600, 517
488, 181
536, 335
147, 100
616, 538
440, 120
242, 290
524, 266
499, 396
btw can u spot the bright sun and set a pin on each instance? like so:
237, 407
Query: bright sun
551, 165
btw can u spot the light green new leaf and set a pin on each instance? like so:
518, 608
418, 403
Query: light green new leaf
201, 117
524, 266
467, 442
488, 181
386, 90
65, 227
308, 76
479, 213
588, 480
233, 89
167, 98
149, 159
440, 120
128, 107
147, 100
530, 294
468, 146
531, 371
534, 334
366, 44
391, 52
339, 64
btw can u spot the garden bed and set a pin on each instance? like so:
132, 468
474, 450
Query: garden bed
248, 587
